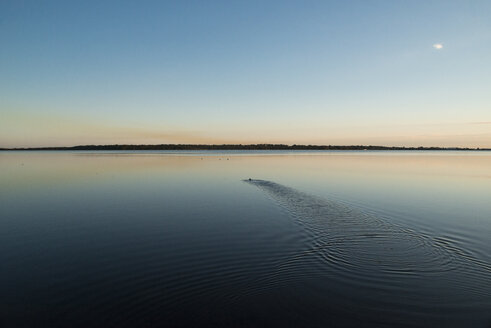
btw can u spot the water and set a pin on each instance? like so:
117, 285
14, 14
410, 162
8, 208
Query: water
185, 239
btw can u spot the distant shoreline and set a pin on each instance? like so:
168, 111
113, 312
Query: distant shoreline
238, 147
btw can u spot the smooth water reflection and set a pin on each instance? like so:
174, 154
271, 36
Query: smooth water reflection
341, 239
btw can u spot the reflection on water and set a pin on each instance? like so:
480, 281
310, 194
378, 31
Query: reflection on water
341, 239
349, 247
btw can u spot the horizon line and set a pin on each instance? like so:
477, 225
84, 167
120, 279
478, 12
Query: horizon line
256, 146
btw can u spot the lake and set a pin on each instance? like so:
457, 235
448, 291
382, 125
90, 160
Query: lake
245, 239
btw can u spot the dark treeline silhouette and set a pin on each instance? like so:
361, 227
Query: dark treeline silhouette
238, 147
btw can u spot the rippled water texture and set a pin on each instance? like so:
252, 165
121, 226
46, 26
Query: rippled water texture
245, 239
400, 265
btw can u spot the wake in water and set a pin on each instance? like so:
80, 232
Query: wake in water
364, 252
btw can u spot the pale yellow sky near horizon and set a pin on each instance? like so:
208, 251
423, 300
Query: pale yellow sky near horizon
44, 131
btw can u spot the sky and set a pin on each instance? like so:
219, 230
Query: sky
395, 73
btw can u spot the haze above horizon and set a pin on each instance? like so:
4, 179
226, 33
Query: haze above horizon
292, 72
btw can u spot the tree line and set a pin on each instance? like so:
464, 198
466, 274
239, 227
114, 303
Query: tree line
239, 147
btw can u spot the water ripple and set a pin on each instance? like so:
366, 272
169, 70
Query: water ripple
363, 251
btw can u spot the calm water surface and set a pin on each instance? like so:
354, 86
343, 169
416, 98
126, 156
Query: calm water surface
185, 239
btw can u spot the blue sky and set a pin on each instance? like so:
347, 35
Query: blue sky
325, 72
